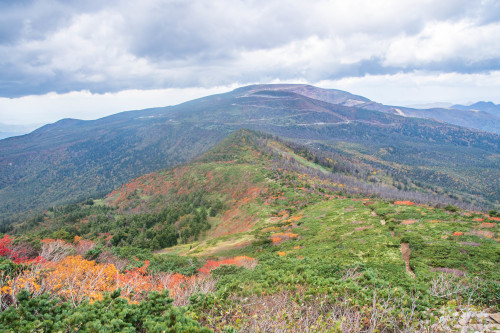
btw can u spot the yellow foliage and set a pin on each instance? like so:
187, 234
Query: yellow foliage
76, 279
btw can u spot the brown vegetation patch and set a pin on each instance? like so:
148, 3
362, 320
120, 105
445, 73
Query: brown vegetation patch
470, 243
481, 233
407, 222
453, 271
363, 228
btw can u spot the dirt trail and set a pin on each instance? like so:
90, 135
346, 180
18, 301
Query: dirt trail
405, 253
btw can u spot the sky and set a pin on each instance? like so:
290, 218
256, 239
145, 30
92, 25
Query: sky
88, 59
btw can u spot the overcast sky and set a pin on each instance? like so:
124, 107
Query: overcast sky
87, 59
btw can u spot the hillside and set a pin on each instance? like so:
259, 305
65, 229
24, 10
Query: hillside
488, 107
73, 159
259, 225
483, 116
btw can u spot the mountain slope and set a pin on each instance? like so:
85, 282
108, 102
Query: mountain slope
482, 115
74, 159
313, 244
225, 191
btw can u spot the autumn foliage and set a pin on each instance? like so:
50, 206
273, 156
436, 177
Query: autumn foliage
75, 279
281, 237
405, 203
238, 261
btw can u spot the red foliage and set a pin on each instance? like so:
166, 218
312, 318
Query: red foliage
16, 256
458, 233
5, 246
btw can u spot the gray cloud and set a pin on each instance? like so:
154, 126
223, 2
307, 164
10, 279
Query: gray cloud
107, 46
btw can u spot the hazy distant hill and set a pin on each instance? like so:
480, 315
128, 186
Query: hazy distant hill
74, 159
488, 107
7, 131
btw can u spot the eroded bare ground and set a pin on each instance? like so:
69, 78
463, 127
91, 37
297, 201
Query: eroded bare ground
405, 253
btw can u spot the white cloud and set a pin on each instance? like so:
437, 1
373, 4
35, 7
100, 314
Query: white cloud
111, 46
440, 41
150, 45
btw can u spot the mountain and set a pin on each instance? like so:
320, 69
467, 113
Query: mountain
226, 191
483, 116
256, 235
74, 159
488, 107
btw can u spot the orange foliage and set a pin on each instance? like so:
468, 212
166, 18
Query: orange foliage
458, 233
407, 203
281, 254
76, 279
478, 220
494, 218
238, 261
487, 225
282, 236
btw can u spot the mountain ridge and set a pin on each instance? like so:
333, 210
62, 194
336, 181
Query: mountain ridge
74, 159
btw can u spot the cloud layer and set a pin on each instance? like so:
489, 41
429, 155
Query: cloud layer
110, 46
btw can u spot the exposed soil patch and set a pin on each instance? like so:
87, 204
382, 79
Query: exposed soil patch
405, 253
382, 222
349, 209
357, 222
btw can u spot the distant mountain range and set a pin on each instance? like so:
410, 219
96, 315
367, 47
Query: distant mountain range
484, 116
488, 107
74, 159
